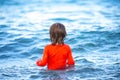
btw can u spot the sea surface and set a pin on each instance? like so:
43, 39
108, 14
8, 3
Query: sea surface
93, 33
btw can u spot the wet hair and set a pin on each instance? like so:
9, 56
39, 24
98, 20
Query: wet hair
57, 33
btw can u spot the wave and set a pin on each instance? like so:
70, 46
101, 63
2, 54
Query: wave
4, 56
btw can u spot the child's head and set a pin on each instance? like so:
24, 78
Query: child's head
57, 33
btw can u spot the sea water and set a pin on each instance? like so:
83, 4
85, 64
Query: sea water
93, 33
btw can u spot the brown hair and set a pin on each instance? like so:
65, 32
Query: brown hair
57, 33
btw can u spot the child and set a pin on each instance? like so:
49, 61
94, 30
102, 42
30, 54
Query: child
57, 55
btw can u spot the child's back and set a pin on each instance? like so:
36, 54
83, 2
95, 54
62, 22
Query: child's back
58, 57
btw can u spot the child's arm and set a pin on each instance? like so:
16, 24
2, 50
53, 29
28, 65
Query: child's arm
71, 61
44, 60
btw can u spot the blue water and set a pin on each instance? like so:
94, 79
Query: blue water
93, 32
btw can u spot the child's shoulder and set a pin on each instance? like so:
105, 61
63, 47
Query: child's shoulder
67, 45
48, 45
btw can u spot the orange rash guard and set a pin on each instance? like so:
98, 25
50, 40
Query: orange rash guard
56, 57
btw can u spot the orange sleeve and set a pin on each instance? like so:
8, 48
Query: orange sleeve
70, 58
44, 59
